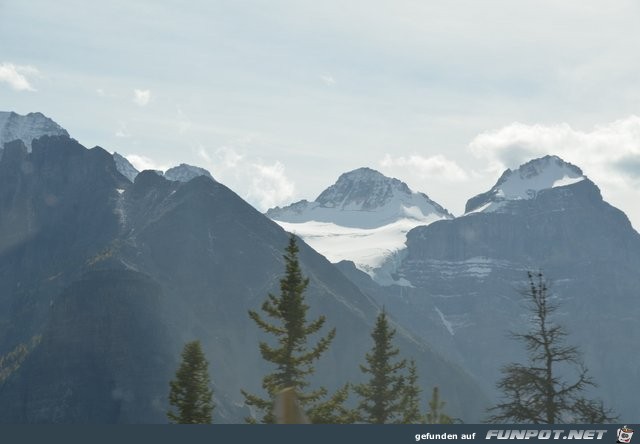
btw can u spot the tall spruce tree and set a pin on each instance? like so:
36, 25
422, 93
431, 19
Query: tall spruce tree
381, 398
411, 396
292, 355
435, 414
535, 393
190, 394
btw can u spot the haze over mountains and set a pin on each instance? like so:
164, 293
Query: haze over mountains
115, 276
117, 269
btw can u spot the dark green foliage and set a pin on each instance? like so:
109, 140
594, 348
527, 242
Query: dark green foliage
382, 396
411, 397
435, 414
292, 355
333, 411
190, 394
534, 393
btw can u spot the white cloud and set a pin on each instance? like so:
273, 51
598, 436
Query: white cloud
609, 154
142, 163
328, 79
203, 153
269, 185
228, 157
141, 97
184, 123
601, 152
16, 76
436, 167
264, 185
123, 131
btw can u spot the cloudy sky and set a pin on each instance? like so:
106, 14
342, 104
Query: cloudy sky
277, 98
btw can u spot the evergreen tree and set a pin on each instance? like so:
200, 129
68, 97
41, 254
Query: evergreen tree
535, 393
292, 356
411, 397
190, 394
382, 396
435, 414
333, 411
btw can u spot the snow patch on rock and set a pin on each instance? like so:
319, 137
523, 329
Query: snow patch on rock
525, 183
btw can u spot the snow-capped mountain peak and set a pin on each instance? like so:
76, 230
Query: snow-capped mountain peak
26, 128
362, 189
184, 173
363, 198
526, 182
364, 217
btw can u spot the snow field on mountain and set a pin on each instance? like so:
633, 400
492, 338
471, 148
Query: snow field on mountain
368, 248
421, 213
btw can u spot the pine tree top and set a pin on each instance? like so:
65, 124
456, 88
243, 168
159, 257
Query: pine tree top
292, 355
190, 393
381, 397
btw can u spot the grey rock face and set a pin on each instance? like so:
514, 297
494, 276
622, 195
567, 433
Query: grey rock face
102, 357
467, 273
26, 128
125, 167
364, 187
180, 173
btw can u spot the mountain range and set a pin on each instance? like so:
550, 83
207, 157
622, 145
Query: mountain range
114, 275
180, 173
457, 281
14, 126
115, 269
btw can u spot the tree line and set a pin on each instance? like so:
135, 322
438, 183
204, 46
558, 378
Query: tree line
532, 393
